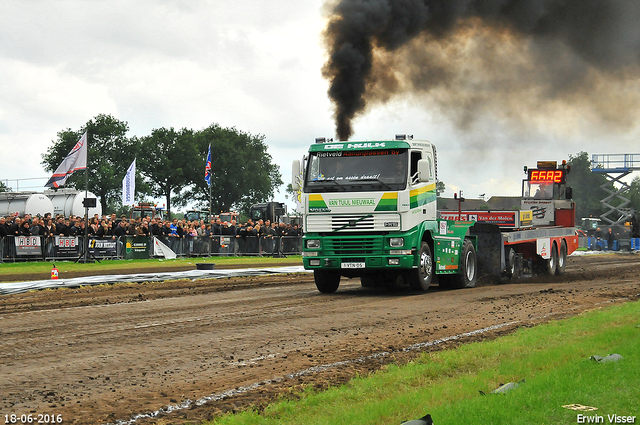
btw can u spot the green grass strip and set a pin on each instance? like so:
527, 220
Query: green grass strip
140, 266
553, 358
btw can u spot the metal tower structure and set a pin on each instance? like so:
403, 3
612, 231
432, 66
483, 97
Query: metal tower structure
615, 167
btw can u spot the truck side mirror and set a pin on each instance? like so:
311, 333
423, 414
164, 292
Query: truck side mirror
424, 171
295, 173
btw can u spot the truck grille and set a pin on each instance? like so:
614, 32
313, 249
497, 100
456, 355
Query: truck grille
354, 246
353, 223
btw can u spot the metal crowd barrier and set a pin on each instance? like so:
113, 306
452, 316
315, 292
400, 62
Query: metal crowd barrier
203, 246
34, 248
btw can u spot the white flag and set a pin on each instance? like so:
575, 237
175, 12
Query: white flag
76, 160
129, 185
161, 250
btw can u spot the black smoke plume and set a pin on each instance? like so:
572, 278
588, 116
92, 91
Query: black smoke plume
469, 55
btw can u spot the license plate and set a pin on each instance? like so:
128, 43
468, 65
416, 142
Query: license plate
352, 265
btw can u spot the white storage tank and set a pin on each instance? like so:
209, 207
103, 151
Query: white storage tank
21, 203
69, 202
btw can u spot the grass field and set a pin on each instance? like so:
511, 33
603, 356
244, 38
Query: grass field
553, 359
140, 266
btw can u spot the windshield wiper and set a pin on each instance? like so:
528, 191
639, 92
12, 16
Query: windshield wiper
371, 180
335, 182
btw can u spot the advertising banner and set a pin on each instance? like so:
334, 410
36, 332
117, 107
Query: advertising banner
136, 247
103, 247
66, 246
28, 245
500, 218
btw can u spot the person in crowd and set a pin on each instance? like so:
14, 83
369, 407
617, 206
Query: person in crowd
292, 243
227, 238
25, 228
3, 235
598, 236
610, 239
267, 234
14, 227
61, 228
216, 235
120, 230
74, 229
49, 227
131, 227
241, 238
111, 224
174, 228
81, 224
95, 226
156, 227
280, 231
3, 227
635, 225
37, 229
166, 228
143, 230
103, 229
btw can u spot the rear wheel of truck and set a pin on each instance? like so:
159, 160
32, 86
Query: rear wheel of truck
326, 282
513, 270
562, 258
551, 264
468, 266
420, 278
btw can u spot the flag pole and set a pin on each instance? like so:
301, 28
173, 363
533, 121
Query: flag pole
209, 183
86, 205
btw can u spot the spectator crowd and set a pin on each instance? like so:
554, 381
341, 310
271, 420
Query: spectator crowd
249, 237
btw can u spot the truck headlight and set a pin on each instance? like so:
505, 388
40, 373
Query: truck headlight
396, 242
399, 252
313, 243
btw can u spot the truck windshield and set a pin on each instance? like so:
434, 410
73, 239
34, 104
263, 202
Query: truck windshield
365, 170
537, 190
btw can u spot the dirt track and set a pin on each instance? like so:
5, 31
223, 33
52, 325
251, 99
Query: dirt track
102, 354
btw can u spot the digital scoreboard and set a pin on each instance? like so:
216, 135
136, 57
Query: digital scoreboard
547, 176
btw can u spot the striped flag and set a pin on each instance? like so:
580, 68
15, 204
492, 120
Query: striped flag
129, 185
75, 161
207, 168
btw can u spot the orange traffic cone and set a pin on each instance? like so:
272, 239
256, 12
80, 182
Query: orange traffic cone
54, 272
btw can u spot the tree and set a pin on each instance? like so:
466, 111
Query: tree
168, 161
634, 194
4, 188
109, 155
242, 172
587, 191
440, 188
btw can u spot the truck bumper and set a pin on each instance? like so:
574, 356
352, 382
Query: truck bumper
355, 256
359, 265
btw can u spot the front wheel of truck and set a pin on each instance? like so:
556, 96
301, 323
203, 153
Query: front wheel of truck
420, 278
326, 282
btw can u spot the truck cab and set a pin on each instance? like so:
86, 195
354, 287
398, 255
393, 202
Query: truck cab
369, 211
546, 194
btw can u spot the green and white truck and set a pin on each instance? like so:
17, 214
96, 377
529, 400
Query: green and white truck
369, 211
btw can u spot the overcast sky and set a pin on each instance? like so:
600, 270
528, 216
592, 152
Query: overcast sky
252, 65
